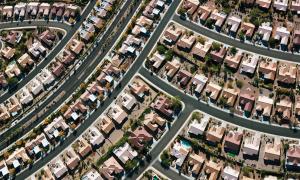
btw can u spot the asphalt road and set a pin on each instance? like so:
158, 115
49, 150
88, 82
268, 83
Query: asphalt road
70, 30
239, 121
136, 65
71, 84
232, 42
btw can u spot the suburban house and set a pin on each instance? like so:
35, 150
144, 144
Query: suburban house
229, 96
198, 128
92, 174
111, 169
172, 34
70, 158
198, 83
296, 37
138, 89
125, 153
213, 91
17, 158
66, 57
218, 18
13, 105
76, 46
267, 69
24, 96
153, 122
4, 114
230, 173
233, 23
287, 73
55, 127
139, 138
128, 101
195, 162
265, 31
246, 101
273, 150
284, 109
295, 5
293, 157
191, 6
163, 105
57, 167
233, 60
283, 35
212, 170
200, 50
204, 12
218, 54
186, 42
82, 147
46, 77
105, 124
4, 172
264, 106
233, 140
57, 68
34, 146
8, 52
35, 86
94, 136
215, 133
247, 29
117, 114
264, 3
156, 60
12, 70
47, 38
25, 60
171, 68
179, 152
251, 144
281, 5
183, 77
248, 65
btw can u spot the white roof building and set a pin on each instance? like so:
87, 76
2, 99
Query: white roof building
249, 64
94, 136
125, 153
234, 23
128, 101
198, 128
230, 174
46, 77
92, 175
35, 86
265, 30
24, 96
281, 5
57, 167
282, 34
180, 153
251, 144
199, 81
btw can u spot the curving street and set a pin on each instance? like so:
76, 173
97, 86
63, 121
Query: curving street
70, 31
232, 42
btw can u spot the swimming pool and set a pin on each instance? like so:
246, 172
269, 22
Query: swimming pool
186, 144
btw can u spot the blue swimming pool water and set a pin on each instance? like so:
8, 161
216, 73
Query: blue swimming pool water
185, 144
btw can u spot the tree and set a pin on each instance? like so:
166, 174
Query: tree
176, 103
161, 49
272, 42
233, 50
12, 81
241, 35
182, 11
239, 84
64, 108
165, 159
216, 46
169, 55
201, 40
